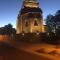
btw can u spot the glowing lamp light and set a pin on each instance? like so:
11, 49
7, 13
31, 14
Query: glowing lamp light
23, 34
47, 33
37, 33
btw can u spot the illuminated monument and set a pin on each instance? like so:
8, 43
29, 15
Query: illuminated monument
30, 19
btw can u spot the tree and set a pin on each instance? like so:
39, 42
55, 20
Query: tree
53, 22
57, 19
7, 29
50, 23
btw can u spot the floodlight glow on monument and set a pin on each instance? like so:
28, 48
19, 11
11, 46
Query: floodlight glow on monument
30, 19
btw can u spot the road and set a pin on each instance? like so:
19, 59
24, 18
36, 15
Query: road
13, 50
22, 52
8, 52
31, 48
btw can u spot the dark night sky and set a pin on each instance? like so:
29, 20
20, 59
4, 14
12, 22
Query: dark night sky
9, 9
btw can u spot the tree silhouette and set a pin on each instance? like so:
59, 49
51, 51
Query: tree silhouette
57, 19
7, 29
53, 22
50, 23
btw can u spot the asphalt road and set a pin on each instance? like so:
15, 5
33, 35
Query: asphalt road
8, 52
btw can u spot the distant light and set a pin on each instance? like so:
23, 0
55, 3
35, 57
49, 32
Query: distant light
47, 33
37, 33
23, 34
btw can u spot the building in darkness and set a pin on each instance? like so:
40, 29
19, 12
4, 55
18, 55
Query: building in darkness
30, 19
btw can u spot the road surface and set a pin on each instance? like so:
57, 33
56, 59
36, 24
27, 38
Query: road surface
8, 52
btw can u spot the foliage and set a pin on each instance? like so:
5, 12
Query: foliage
7, 29
53, 22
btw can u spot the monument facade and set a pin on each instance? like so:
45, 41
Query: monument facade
30, 18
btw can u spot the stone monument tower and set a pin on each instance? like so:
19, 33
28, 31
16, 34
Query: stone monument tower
30, 19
